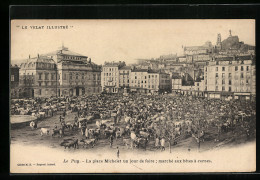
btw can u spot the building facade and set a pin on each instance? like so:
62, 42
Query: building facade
110, 76
38, 77
14, 81
176, 83
230, 79
124, 78
60, 73
149, 81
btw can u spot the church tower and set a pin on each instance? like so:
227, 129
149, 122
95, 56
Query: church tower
218, 44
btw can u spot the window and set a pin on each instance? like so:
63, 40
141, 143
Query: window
223, 81
206, 69
242, 75
223, 68
216, 88
216, 68
40, 92
216, 74
223, 88
229, 82
229, 89
247, 81
40, 84
82, 76
229, 75
236, 68
12, 77
40, 76
223, 75
46, 76
242, 68
77, 76
247, 68
70, 75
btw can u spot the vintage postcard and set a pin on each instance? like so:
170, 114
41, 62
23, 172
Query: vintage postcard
132, 96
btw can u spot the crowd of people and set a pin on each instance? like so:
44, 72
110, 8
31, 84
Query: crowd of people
158, 118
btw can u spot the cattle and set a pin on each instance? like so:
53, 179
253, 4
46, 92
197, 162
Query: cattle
94, 133
225, 127
141, 142
128, 142
68, 143
119, 132
33, 125
45, 131
109, 132
144, 134
58, 131
88, 142
69, 125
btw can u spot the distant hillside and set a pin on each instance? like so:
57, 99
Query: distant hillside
233, 43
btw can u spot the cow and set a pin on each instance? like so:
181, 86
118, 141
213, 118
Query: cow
58, 131
70, 143
109, 132
128, 142
33, 125
96, 133
144, 134
45, 131
119, 132
69, 125
141, 142
88, 142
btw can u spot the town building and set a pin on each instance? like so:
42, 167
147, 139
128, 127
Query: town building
38, 77
124, 78
231, 78
176, 83
77, 75
149, 81
110, 76
14, 81
60, 73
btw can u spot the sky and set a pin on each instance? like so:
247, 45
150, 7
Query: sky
122, 40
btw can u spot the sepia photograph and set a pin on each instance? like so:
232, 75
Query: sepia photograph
132, 96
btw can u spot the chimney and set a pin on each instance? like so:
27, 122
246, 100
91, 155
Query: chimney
38, 55
29, 56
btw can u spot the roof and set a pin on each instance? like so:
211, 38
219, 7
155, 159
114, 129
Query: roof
176, 76
14, 66
125, 67
42, 59
63, 51
140, 70
230, 58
